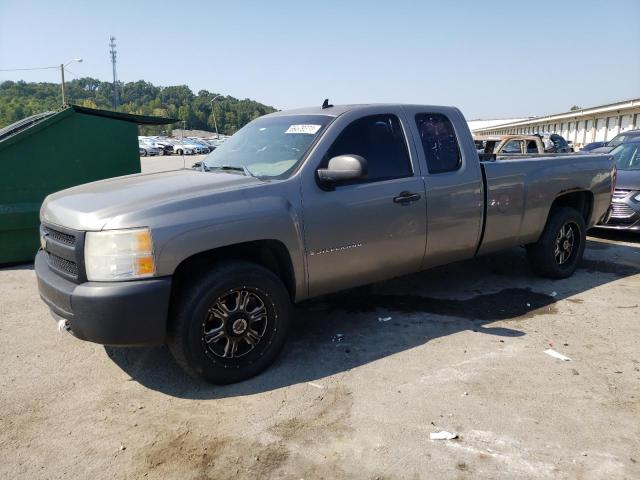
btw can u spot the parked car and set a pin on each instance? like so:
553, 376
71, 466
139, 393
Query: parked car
517, 144
148, 150
150, 145
623, 137
295, 205
619, 139
554, 143
592, 146
184, 148
202, 147
165, 146
625, 205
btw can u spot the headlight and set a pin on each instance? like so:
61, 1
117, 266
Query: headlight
637, 198
119, 255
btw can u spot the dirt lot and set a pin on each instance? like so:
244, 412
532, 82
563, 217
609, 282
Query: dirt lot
352, 396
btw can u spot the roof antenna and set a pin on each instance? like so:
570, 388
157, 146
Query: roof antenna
326, 104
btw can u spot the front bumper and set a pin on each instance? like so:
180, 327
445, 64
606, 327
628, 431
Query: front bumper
110, 313
624, 215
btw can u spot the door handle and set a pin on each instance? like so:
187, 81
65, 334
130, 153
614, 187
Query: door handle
405, 197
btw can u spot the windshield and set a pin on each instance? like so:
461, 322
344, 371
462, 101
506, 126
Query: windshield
627, 156
621, 138
269, 147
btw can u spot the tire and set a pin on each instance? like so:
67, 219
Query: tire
144, 153
560, 248
179, 151
229, 349
160, 152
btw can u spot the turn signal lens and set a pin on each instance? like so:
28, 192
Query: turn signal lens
145, 265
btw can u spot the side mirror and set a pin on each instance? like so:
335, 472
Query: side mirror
343, 167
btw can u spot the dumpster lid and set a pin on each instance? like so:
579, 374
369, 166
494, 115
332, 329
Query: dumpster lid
23, 124
30, 125
127, 117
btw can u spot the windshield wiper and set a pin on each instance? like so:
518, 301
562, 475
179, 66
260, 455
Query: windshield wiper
232, 168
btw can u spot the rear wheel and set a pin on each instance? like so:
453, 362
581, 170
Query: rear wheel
231, 323
560, 248
144, 152
179, 151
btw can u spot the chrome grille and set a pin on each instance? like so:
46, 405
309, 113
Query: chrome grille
621, 210
619, 194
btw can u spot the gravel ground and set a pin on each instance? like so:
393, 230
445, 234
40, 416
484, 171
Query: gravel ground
366, 376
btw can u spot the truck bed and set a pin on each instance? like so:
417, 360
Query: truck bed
519, 191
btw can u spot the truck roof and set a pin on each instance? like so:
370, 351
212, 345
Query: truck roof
337, 110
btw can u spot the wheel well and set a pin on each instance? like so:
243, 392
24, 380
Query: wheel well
271, 254
581, 201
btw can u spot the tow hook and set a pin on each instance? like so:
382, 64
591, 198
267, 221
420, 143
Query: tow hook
63, 325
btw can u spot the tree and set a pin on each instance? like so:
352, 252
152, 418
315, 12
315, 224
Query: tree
21, 99
574, 108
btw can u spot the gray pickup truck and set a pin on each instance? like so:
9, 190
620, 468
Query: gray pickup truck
298, 204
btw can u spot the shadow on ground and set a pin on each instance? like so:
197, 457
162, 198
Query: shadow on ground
342, 331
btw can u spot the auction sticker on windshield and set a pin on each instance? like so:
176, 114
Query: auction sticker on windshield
308, 129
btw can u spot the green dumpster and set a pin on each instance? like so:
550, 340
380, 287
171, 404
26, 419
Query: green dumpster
56, 150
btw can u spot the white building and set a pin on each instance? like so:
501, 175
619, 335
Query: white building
595, 124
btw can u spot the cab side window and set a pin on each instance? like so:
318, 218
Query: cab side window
512, 146
439, 142
379, 139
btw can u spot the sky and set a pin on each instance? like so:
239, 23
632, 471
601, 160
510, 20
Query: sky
492, 59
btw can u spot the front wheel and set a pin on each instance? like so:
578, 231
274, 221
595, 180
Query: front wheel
231, 323
560, 248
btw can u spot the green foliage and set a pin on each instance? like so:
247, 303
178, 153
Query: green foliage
21, 99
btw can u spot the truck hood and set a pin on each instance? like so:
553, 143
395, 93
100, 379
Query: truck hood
92, 205
628, 180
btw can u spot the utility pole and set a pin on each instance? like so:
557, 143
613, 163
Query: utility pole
113, 52
62, 84
62, 67
213, 110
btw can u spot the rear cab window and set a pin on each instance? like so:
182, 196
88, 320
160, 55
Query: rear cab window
439, 142
532, 147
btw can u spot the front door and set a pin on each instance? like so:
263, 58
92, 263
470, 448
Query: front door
369, 229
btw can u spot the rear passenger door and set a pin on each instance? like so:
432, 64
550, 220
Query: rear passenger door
453, 182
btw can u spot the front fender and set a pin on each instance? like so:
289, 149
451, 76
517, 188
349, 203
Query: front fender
233, 222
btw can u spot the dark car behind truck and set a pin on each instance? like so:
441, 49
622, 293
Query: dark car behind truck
295, 205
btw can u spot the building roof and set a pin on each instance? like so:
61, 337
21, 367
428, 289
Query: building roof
633, 103
492, 122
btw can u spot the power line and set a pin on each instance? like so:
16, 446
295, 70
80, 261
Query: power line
23, 69
75, 75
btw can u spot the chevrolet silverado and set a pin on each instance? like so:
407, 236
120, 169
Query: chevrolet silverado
298, 204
